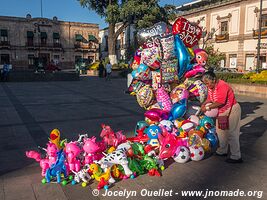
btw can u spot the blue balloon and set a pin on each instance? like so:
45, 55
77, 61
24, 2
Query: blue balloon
206, 122
212, 137
178, 110
183, 56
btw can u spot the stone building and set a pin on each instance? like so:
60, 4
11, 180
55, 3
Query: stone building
25, 40
236, 26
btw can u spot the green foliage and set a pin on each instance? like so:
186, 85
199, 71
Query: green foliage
143, 13
248, 78
227, 76
214, 56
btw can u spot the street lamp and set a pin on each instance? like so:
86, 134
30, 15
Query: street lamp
38, 31
259, 39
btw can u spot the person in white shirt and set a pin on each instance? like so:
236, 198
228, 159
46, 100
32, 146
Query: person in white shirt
108, 71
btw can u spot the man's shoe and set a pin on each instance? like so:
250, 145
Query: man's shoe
230, 160
222, 155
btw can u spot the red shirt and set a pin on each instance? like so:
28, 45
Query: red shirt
222, 93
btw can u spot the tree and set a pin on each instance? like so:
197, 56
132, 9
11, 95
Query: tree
215, 56
142, 13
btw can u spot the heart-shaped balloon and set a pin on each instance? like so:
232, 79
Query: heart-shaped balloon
189, 33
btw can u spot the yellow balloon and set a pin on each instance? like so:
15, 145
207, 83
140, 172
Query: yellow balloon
191, 52
206, 145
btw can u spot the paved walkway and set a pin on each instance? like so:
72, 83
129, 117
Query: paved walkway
29, 111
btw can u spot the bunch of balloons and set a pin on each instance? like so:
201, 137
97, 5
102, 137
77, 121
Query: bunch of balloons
165, 80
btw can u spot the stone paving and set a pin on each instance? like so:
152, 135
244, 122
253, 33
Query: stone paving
30, 110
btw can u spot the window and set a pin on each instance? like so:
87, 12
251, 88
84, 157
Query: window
30, 36
224, 27
5, 59
43, 38
30, 60
56, 59
4, 37
233, 60
264, 21
90, 59
56, 39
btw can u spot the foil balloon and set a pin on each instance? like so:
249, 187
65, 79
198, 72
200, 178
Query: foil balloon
145, 96
179, 93
141, 73
201, 59
196, 132
206, 122
206, 145
151, 55
153, 115
178, 110
194, 140
189, 33
163, 99
143, 35
212, 137
193, 108
211, 113
167, 46
140, 126
183, 56
194, 119
167, 124
198, 90
156, 115
135, 86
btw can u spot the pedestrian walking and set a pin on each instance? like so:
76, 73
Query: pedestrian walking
221, 96
101, 69
108, 71
5, 72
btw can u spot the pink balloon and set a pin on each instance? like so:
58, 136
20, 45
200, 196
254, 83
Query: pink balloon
163, 99
211, 113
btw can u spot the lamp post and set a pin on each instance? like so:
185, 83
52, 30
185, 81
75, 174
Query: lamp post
259, 39
42, 8
37, 30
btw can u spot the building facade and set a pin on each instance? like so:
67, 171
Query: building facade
23, 40
235, 24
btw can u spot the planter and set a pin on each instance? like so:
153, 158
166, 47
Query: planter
92, 72
250, 90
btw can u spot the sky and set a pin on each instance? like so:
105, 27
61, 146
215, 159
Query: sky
65, 10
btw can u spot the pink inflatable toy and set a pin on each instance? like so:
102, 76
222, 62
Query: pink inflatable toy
50, 159
73, 151
110, 138
93, 150
169, 144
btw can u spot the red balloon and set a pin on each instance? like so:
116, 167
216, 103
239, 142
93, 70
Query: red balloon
189, 33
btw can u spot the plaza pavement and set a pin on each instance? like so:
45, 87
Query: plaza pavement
30, 110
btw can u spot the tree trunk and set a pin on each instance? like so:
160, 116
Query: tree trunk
112, 44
